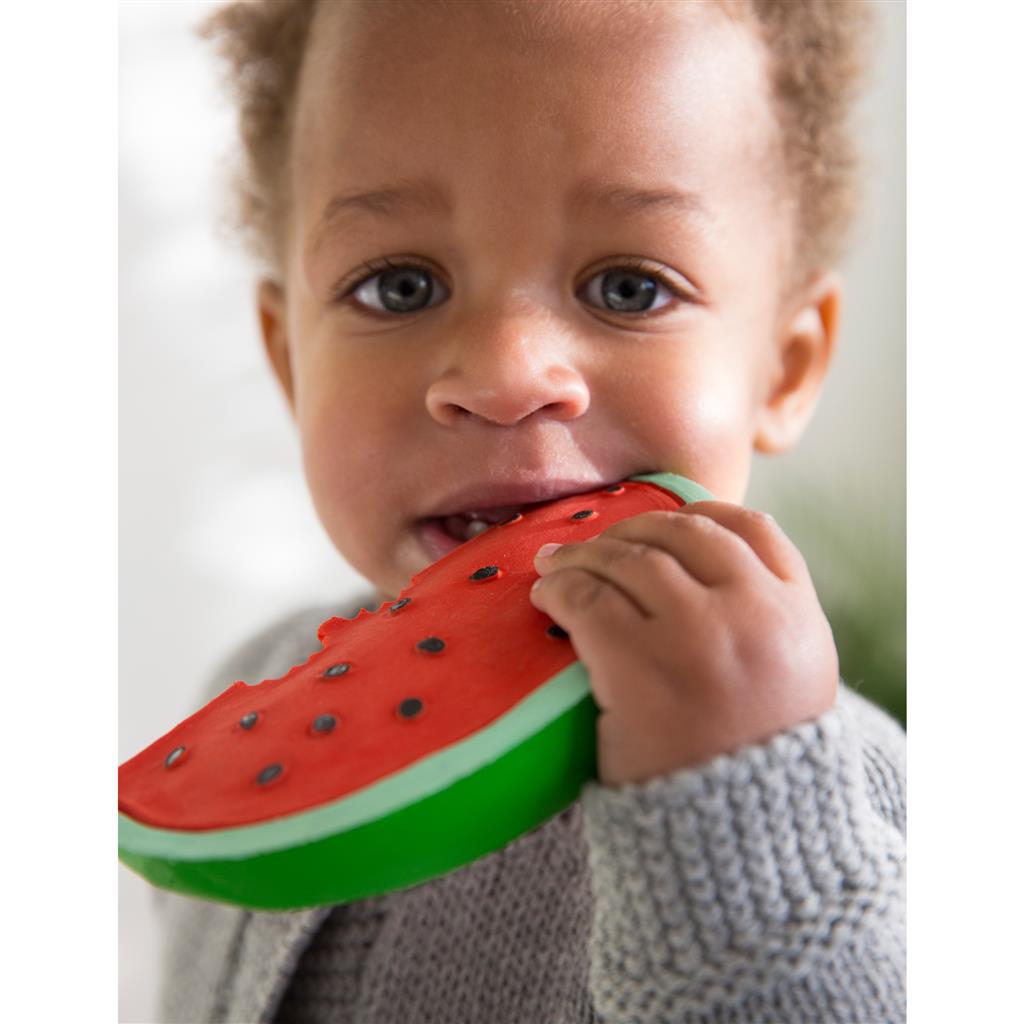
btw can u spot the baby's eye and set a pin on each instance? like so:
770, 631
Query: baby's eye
400, 289
628, 290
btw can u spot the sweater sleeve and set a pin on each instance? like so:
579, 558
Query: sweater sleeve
762, 886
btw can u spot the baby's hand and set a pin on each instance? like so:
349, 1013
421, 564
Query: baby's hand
700, 629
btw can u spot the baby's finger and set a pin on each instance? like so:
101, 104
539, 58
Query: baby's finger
760, 531
709, 552
603, 625
647, 574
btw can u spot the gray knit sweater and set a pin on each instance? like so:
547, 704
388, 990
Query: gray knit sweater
763, 886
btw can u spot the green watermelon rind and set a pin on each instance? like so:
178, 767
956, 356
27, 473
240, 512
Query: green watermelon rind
685, 489
501, 782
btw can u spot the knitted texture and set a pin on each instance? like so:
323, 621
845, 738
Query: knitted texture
333, 966
502, 941
761, 886
766, 885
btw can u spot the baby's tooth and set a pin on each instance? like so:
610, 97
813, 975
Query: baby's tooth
476, 527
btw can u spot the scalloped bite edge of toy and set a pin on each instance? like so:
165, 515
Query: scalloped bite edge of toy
398, 706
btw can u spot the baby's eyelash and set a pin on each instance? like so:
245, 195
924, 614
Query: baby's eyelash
372, 269
647, 269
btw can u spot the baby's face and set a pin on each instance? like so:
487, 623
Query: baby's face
586, 252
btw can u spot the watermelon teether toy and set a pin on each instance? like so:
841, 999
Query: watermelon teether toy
421, 736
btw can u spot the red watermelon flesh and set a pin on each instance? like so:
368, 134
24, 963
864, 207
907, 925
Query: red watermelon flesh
460, 646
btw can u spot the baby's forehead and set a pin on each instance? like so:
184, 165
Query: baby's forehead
428, 33
507, 81
522, 19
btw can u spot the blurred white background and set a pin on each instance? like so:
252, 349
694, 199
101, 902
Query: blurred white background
217, 534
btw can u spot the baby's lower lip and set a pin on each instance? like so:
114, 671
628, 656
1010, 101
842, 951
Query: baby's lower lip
435, 539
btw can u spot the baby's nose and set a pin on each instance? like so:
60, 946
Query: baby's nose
505, 369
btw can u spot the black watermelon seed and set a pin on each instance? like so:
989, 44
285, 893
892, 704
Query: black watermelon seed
174, 757
614, 489
410, 707
585, 513
485, 573
557, 632
324, 723
431, 645
399, 604
338, 670
249, 720
269, 773
511, 519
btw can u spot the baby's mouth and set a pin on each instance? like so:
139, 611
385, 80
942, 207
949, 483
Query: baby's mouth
443, 534
465, 525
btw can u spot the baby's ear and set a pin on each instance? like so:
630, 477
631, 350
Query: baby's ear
804, 345
273, 326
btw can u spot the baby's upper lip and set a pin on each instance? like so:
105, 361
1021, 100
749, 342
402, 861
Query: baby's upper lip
478, 497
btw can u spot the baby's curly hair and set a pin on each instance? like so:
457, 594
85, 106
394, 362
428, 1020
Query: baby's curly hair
817, 57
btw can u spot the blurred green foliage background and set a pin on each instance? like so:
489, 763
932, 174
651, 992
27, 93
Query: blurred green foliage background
856, 552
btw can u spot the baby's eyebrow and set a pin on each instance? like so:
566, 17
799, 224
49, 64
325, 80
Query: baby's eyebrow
397, 199
634, 198
425, 195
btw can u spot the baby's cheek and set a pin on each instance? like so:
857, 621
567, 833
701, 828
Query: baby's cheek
706, 437
355, 493
328, 464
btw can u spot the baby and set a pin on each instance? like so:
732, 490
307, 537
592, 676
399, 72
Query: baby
518, 250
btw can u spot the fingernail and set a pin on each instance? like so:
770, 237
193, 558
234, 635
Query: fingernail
546, 550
